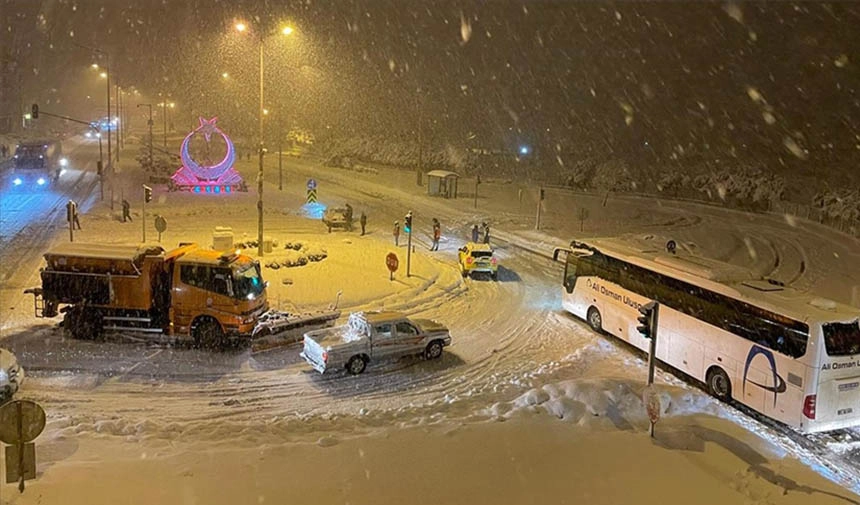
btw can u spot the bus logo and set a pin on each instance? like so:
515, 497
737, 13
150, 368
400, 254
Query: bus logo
779, 382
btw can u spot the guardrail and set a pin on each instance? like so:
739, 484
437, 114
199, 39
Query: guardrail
780, 208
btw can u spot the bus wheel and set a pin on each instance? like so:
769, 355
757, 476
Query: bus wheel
207, 333
719, 384
595, 320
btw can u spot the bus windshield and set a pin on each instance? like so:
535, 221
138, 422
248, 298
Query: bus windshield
247, 281
842, 339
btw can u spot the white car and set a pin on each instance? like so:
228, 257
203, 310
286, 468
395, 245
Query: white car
11, 375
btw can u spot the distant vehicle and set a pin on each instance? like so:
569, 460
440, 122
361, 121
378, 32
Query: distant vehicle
189, 291
373, 336
37, 163
11, 375
781, 352
475, 258
337, 217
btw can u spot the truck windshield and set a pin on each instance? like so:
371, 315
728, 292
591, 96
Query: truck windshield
247, 282
842, 339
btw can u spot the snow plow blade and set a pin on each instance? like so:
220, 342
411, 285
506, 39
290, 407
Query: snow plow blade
277, 329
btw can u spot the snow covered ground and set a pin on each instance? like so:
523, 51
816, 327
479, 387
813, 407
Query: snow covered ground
526, 405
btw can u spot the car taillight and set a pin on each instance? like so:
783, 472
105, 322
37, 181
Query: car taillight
809, 406
493, 261
325, 356
469, 260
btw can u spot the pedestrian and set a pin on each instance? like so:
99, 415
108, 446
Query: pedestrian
437, 234
396, 233
486, 233
126, 211
77, 220
4, 150
363, 221
475, 234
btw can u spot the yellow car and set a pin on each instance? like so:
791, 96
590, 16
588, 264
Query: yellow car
478, 258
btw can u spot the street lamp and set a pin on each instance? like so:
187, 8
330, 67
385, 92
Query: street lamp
225, 75
286, 30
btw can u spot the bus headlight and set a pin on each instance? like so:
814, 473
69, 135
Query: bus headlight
64, 162
17, 181
41, 181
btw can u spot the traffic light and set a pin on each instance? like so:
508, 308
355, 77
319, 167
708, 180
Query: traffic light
647, 320
34, 111
407, 222
147, 194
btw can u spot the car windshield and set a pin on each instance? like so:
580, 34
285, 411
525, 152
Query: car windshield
842, 339
247, 281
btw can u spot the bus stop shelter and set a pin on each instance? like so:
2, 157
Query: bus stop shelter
442, 183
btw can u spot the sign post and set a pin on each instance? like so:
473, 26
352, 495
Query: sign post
160, 226
652, 405
541, 195
312, 191
392, 263
21, 421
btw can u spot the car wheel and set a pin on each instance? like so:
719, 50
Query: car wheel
495, 276
208, 334
433, 350
356, 365
719, 384
595, 320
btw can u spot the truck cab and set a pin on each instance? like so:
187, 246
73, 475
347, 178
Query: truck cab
215, 295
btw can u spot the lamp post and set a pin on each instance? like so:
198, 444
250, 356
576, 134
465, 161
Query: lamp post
149, 122
287, 30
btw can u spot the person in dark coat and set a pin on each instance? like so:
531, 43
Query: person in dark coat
486, 233
437, 234
363, 221
476, 233
126, 211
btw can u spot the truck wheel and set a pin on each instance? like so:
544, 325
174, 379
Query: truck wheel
495, 275
83, 324
433, 350
356, 365
207, 334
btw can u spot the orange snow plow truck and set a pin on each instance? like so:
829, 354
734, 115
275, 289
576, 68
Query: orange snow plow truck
206, 295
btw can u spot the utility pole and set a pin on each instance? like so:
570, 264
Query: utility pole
407, 227
281, 152
540, 202
260, 171
164, 120
477, 182
420, 170
118, 133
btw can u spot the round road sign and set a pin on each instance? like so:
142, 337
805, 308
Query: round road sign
392, 262
22, 416
160, 224
312, 184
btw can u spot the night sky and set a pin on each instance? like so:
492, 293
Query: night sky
765, 84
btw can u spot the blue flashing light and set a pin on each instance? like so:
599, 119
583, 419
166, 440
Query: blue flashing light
196, 189
217, 189
208, 189
227, 189
524, 150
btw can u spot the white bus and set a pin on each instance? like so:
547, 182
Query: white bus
784, 353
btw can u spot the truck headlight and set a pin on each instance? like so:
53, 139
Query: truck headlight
17, 181
64, 162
